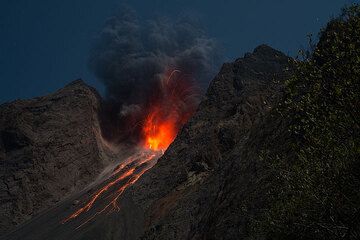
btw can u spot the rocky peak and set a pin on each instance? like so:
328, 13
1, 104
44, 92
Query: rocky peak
49, 147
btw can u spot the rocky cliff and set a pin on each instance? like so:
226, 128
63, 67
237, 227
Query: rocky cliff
210, 182
49, 148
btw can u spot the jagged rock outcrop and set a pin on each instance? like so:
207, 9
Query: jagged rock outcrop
210, 182
49, 148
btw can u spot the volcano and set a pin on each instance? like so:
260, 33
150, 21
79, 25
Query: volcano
193, 174
169, 109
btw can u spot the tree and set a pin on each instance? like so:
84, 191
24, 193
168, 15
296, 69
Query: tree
320, 188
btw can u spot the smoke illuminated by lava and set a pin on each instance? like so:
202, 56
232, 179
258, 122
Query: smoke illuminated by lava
134, 58
170, 111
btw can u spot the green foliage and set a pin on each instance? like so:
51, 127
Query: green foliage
319, 194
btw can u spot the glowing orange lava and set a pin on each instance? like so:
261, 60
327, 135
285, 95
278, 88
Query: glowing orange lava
159, 134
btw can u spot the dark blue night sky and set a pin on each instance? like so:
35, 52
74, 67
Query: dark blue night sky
45, 44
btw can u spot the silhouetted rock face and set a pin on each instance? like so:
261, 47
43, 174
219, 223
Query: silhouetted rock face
49, 147
209, 182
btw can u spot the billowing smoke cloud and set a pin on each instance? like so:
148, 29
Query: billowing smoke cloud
131, 57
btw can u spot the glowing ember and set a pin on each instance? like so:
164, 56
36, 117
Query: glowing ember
173, 106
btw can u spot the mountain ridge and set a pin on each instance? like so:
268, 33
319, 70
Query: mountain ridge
178, 197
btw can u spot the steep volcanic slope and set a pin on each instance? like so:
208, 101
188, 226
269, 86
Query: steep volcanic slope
49, 147
209, 183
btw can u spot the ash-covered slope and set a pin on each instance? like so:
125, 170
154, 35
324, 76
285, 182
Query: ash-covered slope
49, 147
210, 182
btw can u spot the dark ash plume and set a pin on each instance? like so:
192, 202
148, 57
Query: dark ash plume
131, 57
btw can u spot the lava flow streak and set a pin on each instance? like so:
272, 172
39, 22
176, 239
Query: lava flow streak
170, 109
113, 205
126, 174
97, 195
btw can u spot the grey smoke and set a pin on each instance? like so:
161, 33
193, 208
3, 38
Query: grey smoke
130, 55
